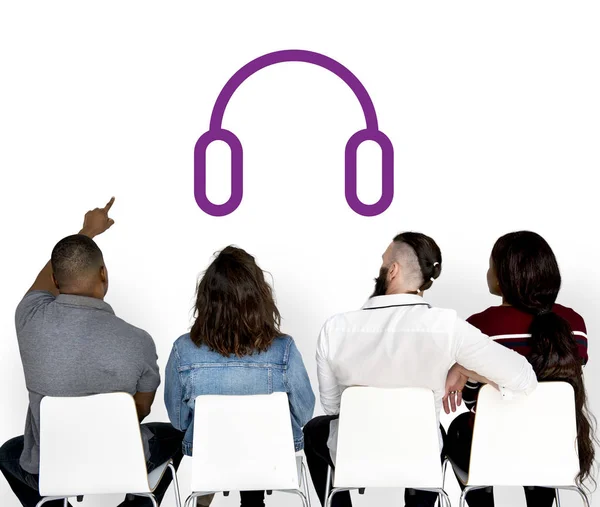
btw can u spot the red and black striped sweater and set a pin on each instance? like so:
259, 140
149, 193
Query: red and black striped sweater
510, 327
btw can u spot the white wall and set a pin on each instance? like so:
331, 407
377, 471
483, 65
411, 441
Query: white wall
492, 108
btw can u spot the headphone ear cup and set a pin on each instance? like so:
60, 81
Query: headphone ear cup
237, 172
387, 173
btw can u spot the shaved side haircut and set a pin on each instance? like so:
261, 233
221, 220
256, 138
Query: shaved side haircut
420, 258
405, 255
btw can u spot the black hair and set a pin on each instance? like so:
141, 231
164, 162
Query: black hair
529, 280
74, 257
428, 253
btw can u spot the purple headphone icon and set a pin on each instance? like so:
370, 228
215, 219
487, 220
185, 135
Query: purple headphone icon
217, 133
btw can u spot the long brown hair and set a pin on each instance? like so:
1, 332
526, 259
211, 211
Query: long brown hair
529, 280
235, 310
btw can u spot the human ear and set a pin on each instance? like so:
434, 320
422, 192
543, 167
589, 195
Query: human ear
393, 270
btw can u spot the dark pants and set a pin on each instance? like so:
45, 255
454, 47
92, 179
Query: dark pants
458, 449
318, 458
164, 445
252, 498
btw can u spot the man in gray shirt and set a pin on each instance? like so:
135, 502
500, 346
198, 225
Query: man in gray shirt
72, 344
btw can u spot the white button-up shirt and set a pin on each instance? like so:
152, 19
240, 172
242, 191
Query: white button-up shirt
401, 341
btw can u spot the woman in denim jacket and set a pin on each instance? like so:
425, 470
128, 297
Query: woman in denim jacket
235, 347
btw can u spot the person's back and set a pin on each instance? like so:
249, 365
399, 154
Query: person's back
235, 347
76, 346
393, 341
525, 273
72, 344
398, 340
204, 371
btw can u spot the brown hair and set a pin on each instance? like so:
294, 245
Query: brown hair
235, 310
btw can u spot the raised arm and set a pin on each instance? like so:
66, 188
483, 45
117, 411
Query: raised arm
96, 221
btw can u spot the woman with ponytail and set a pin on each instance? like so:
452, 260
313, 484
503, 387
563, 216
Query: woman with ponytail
524, 272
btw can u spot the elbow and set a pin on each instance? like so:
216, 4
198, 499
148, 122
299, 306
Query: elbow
143, 412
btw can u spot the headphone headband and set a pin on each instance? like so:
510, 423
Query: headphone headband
217, 133
293, 55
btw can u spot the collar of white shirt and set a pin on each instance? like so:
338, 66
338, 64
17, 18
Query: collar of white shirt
393, 300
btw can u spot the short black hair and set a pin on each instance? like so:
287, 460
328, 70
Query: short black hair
74, 257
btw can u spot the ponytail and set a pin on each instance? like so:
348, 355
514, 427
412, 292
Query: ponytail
554, 356
529, 279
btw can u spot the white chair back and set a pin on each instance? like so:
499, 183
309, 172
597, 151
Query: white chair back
388, 438
243, 443
91, 445
529, 440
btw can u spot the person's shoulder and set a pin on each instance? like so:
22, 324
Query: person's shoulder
488, 318
133, 332
341, 320
281, 345
441, 311
575, 320
30, 305
184, 338
36, 298
184, 342
283, 340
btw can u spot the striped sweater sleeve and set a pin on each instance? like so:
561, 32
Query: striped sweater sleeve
470, 393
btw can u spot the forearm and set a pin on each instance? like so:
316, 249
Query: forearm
485, 360
476, 377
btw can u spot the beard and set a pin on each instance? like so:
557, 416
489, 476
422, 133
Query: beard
381, 283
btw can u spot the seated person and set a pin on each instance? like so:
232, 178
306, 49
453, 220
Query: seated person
236, 328
524, 272
399, 340
73, 344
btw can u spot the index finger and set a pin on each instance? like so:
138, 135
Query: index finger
109, 204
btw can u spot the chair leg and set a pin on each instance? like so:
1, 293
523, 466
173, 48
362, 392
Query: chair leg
190, 499
334, 492
442, 498
443, 495
463, 497
305, 481
444, 467
301, 495
328, 483
557, 497
175, 484
582, 494
584, 497
150, 496
51, 499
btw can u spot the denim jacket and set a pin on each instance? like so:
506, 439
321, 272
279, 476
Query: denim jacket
193, 371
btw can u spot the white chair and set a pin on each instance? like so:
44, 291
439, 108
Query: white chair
245, 443
526, 441
91, 446
388, 438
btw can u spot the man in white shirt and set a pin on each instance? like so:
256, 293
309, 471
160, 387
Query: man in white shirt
398, 340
